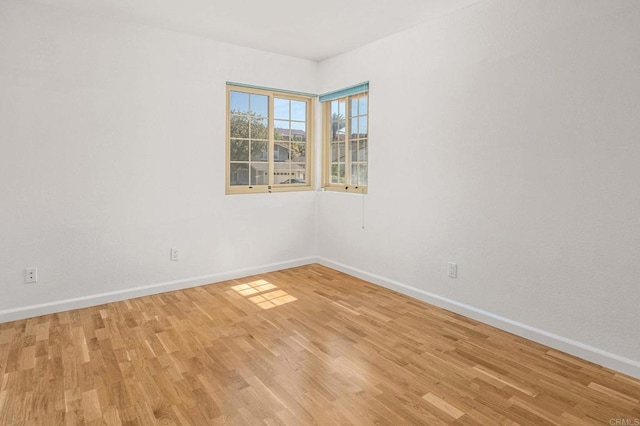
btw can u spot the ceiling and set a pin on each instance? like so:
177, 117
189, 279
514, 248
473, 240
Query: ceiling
314, 30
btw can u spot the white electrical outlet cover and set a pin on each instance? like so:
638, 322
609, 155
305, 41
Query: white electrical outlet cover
453, 269
31, 275
174, 254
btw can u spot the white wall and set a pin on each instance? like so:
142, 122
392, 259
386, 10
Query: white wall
504, 137
112, 152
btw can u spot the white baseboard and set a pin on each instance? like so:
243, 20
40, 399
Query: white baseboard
590, 353
130, 293
581, 350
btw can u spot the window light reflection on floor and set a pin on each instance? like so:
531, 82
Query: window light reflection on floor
257, 289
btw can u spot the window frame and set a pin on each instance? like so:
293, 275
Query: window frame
326, 142
310, 146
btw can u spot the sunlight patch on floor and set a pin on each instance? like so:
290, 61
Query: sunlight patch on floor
257, 290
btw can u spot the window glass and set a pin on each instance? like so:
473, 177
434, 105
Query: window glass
268, 141
346, 129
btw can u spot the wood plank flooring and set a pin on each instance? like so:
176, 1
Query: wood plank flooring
307, 345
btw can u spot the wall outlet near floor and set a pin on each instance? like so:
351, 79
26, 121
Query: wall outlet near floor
174, 255
453, 270
31, 275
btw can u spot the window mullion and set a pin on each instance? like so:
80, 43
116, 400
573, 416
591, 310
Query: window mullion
326, 109
347, 142
271, 150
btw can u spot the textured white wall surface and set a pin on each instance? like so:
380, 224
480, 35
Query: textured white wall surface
504, 137
112, 152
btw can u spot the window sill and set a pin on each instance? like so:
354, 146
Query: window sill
264, 189
346, 189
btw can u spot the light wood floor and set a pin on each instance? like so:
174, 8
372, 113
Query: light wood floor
307, 345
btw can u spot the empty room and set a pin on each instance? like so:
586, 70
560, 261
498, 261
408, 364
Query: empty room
420, 212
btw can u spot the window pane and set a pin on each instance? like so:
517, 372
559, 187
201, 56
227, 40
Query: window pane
337, 152
259, 151
239, 102
353, 146
282, 173
298, 173
363, 150
259, 128
337, 173
239, 126
362, 174
354, 127
290, 174
239, 174
354, 106
299, 152
359, 174
281, 130
362, 126
337, 129
299, 131
298, 110
281, 109
364, 105
337, 110
259, 173
281, 151
260, 105
239, 150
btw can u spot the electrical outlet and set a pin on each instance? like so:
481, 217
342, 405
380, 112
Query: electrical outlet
174, 256
31, 275
453, 270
